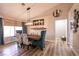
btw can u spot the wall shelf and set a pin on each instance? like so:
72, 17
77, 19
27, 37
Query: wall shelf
38, 22
41, 28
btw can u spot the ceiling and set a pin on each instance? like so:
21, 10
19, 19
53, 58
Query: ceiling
17, 11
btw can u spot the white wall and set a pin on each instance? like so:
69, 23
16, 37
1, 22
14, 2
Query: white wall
60, 28
50, 20
49, 25
75, 35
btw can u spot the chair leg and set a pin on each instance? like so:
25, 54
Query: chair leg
23, 46
42, 49
27, 47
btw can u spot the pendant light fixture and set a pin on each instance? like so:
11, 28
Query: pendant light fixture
29, 22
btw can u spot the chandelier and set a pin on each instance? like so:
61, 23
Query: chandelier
28, 22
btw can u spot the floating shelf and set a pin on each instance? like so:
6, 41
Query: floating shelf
41, 28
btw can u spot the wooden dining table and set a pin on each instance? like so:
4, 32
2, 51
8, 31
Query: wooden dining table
33, 37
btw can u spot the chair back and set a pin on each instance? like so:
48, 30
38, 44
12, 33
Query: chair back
25, 39
41, 42
43, 35
18, 38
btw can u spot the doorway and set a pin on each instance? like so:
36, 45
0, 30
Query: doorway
61, 30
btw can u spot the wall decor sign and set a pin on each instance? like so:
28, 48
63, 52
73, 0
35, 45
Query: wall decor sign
75, 23
38, 22
57, 13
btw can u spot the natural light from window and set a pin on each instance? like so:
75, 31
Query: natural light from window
10, 30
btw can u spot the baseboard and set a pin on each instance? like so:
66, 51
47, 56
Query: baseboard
50, 40
9, 42
73, 50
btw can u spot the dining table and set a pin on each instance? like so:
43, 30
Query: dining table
33, 37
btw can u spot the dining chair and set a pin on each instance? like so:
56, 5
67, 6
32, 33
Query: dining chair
40, 42
18, 39
25, 41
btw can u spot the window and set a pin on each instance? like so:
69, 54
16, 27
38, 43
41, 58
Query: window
18, 28
6, 31
10, 30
